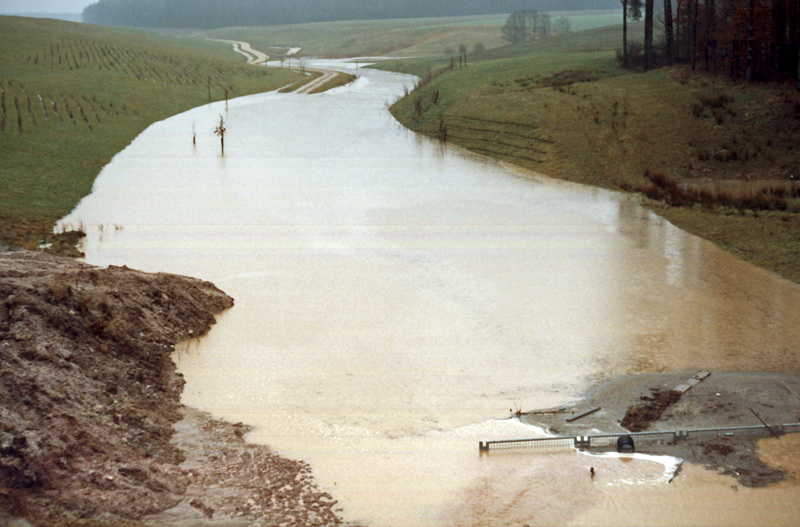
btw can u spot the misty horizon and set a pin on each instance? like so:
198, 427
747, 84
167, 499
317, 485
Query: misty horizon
39, 7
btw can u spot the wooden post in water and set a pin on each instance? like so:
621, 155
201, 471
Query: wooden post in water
220, 131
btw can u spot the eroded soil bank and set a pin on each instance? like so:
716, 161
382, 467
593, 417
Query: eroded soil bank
723, 399
92, 431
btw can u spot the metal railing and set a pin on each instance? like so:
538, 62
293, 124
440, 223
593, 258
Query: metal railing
607, 440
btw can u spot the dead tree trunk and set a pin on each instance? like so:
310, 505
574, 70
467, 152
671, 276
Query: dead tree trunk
668, 32
648, 34
751, 43
625, 33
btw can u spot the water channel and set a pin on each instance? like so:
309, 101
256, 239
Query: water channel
395, 298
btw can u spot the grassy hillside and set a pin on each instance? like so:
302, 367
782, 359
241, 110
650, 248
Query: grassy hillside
73, 95
717, 158
426, 37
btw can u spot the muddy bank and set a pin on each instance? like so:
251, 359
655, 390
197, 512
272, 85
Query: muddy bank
92, 431
233, 483
723, 399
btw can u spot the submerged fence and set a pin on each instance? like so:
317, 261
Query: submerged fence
608, 440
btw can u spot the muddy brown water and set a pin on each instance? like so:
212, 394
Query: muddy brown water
395, 299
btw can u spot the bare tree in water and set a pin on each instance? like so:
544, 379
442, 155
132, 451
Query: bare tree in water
220, 131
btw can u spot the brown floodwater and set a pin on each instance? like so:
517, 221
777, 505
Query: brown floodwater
396, 299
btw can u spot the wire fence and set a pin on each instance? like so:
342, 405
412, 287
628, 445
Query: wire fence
608, 440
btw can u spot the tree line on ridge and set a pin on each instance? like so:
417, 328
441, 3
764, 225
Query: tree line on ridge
208, 14
746, 39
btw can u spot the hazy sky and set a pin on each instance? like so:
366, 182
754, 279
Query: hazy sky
43, 6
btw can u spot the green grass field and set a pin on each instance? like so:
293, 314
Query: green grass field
73, 95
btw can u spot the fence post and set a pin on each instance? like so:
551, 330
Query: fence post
582, 441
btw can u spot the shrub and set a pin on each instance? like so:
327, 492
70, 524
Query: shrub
719, 100
635, 52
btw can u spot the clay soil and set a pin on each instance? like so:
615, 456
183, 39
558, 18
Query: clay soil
640, 416
724, 399
92, 431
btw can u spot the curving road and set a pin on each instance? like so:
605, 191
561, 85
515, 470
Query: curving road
254, 57
258, 58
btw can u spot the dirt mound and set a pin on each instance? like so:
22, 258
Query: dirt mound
88, 391
639, 416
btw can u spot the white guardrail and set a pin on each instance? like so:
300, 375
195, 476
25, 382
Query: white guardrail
606, 440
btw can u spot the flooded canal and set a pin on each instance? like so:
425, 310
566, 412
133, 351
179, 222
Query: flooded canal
396, 298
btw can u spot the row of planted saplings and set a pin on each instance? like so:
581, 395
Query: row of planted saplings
75, 55
61, 107
165, 69
69, 54
71, 107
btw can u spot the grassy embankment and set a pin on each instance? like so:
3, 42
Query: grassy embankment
714, 157
73, 95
